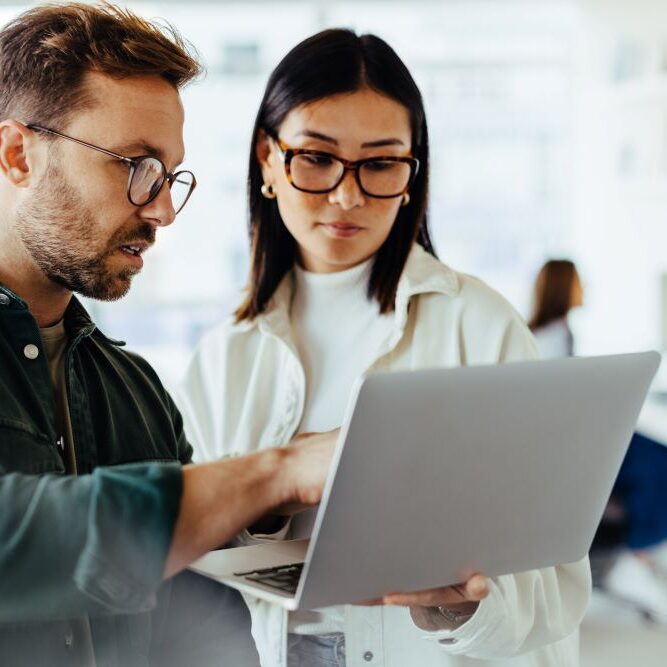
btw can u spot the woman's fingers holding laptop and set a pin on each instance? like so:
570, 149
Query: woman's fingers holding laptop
476, 588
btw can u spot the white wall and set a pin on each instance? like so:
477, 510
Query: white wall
621, 167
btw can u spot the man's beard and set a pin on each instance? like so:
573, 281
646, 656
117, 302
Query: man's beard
59, 232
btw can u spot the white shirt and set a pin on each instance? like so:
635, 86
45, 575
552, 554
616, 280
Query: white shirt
246, 390
337, 331
554, 340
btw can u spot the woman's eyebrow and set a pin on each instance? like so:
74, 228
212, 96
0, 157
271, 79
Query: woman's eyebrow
317, 135
392, 141
383, 142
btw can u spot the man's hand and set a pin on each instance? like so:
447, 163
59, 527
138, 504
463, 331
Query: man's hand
276, 519
221, 498
306, 470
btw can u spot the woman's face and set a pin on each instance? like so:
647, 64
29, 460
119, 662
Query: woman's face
344, 227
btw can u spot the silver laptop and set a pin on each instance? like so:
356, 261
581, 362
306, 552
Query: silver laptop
441, 472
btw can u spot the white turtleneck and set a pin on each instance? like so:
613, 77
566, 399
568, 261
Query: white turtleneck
338, 333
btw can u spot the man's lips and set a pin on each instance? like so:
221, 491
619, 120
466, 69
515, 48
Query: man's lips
136, 248
132, 252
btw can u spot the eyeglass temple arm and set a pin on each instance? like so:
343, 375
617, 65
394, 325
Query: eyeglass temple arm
39, 128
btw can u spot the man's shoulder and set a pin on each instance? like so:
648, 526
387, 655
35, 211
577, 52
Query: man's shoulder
112, 358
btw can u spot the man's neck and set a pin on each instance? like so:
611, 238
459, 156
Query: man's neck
46, 300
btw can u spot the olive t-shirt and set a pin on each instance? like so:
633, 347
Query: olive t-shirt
54, 339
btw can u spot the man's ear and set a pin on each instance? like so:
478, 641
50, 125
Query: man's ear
14, 162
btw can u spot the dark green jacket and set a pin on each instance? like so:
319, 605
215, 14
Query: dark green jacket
94, 544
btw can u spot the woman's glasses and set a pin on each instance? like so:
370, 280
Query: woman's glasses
318, 172
147, 175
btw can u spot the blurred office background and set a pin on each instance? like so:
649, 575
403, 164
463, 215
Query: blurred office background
548, 123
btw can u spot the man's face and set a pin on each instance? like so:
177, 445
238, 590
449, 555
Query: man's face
76, 221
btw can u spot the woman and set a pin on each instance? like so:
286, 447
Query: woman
557, 291
639, 496
344, 281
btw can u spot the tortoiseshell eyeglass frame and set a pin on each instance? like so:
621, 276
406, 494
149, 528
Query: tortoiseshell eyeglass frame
348, 165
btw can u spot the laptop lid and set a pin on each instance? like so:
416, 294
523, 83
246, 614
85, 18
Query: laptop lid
496, 469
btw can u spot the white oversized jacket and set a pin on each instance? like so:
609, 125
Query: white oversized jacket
245, 391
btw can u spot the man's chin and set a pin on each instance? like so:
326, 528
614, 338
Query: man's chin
112, 290
108, 288
110, 295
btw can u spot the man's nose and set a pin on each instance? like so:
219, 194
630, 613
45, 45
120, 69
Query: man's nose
160, 212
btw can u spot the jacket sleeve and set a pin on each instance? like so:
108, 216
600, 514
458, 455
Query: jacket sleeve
526, 611
94, 544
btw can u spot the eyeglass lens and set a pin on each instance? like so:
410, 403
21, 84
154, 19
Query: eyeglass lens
148, 178
382, 178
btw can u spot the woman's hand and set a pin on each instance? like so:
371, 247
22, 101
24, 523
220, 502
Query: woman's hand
473, 590
459, 600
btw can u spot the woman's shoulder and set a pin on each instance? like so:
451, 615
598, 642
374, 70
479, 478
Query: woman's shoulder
428, 275
473, 295
476, 293
227, 334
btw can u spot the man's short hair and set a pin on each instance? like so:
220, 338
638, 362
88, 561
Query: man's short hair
46, 52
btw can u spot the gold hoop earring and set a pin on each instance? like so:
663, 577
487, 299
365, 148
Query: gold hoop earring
268, 191
406, 199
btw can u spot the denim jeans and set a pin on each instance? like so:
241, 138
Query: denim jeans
316, 650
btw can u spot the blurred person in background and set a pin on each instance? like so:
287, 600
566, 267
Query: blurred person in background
557, 291
344, 280
639, 497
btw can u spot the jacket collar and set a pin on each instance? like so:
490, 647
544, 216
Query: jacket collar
78, 322
422, 274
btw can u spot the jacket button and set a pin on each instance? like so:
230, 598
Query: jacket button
31, 351
4, 300
368, 656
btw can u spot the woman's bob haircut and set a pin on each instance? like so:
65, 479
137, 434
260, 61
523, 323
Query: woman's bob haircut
329, 63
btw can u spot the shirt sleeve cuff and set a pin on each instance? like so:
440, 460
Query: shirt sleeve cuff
247, 538
457, 638
130, 528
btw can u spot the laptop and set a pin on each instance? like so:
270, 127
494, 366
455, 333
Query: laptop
442, 472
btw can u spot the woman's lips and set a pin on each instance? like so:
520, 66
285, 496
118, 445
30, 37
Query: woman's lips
341, 230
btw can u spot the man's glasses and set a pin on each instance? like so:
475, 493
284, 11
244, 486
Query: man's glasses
147, 175
318, 172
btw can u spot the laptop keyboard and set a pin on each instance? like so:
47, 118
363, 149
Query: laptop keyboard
285, 577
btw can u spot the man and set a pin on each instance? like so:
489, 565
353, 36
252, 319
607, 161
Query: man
90, 137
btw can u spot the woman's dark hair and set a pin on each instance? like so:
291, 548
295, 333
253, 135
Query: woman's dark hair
329, 63
553, 292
